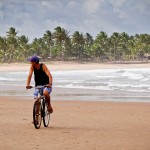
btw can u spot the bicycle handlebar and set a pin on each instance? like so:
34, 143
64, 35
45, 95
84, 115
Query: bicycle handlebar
36, 87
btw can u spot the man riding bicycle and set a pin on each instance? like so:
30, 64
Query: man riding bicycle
42, 76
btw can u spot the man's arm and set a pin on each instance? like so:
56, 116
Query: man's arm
45, 69
29, 76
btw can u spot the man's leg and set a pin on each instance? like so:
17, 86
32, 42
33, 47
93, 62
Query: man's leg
48, 99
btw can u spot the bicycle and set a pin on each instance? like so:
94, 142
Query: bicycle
40, 109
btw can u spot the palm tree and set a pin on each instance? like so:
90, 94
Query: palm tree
23, 47
88, 45
12, 32
100, 45
12, 41
143, 45
123, 45
88, 39
115, 39
3, 49
38, 48
48, 38
78, 42
60, 35
68, 47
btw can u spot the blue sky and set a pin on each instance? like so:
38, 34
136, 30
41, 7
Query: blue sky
33, 17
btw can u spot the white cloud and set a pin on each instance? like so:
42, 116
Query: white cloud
50, 4
118, 7
1, 13
72, 4
143, 6
92, 6
117, 3
33, 17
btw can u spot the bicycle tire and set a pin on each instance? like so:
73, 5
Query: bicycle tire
46, 114
37, 116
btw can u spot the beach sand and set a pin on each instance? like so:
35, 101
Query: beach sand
62, 65
75, 125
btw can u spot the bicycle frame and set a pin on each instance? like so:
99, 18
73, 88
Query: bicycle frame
40, 109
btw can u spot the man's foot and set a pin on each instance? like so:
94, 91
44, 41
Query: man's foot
50, 110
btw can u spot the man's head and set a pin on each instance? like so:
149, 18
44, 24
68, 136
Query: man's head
34, 59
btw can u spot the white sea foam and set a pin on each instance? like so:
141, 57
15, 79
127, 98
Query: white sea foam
132, 75
85, 87
145, 79
106, 77
7, 79
100, 79
137, 90
3, 79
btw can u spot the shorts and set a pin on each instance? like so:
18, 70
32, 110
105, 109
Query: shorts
36, 91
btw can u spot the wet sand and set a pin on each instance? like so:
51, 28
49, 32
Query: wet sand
75, 125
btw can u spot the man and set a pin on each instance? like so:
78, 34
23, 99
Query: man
42, 76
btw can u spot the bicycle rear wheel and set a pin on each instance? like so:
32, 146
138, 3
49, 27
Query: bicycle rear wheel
37, 115
46, 114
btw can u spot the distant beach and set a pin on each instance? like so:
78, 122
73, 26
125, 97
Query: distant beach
62, 65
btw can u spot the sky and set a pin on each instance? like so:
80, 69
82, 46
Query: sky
33, 18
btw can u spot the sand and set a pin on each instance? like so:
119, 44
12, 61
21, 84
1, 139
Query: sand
75, 125
59, 65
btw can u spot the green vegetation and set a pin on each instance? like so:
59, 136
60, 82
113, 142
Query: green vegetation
59, 45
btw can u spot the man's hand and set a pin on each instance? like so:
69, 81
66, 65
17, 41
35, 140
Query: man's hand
28, 86
49, 85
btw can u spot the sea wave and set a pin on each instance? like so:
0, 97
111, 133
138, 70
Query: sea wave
133, 80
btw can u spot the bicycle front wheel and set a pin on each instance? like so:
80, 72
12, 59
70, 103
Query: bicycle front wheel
37, 115
46, 114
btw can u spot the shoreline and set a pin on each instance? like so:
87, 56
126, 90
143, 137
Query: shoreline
57, 99
76, 125
62, 65
74, 94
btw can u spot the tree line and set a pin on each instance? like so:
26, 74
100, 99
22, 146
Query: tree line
60, 45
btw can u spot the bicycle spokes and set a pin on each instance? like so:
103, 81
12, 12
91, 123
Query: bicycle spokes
46, 114
37, 115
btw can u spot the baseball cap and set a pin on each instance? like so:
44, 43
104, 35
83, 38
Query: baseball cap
34, 59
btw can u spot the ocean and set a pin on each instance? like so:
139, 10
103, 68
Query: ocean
91, 85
